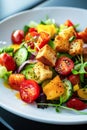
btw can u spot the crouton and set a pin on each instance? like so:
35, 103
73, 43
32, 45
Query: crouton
61, 44
47, 55
54, 89
68, 32
61, 41
42, 71
76, 47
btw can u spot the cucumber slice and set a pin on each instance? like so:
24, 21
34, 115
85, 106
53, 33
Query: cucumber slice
68, 90
29, 73
21, 55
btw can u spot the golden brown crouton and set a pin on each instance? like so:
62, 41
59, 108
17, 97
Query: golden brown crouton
61, 44
42, 71
47, 55
54, 89
76, 47
62, 40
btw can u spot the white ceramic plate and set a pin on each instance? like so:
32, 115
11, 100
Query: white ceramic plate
8, 100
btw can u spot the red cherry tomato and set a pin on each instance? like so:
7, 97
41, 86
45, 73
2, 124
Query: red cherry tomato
15, 80
30, 35
83, 35
68, 23
17, 36
85, 75
43, 39
74, 79
64, 65
29, 91
76, 104
32, 30
7, 61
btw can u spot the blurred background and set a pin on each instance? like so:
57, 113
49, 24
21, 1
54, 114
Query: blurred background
9, 7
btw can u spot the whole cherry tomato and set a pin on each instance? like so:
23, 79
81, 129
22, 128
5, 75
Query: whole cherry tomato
76, 104
29, 91
7, 61
15, 80
74, 79
64, 65
17, 36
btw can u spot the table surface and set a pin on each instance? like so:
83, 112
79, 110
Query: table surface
11, 121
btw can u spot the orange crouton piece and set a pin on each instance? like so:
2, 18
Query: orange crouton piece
54, 89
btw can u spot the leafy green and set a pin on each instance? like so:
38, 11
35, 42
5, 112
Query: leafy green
47, 21
4, 74
6, 49
62, 106
32, 24
59, 54
51, 44
80, 69
26, 28
71, 39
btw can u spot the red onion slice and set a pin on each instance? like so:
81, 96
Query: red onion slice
25, 63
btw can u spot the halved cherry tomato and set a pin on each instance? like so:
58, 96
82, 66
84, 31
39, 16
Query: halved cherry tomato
15, 80
76, 104
74, 79
83, 35
30, 35
29, 91
68, 23
7, 61
17, 36
64, 65
43, 39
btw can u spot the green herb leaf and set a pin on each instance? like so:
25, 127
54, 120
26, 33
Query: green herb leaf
64, 107
25, 29
71, 39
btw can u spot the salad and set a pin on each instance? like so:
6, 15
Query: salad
47, 64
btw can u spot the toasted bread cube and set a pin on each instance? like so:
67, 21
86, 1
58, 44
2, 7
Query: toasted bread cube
61, 44
47, 55
42, 71
54, 89
68, 32
76, 47
62, 40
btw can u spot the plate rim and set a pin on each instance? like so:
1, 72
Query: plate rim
17, 113
40, 8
